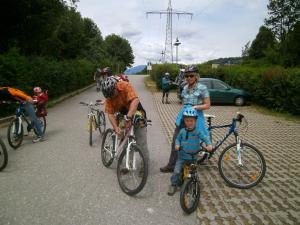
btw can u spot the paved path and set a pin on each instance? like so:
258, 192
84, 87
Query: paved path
277, 199
62, 180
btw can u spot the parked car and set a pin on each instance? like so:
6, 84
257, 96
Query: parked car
221, 93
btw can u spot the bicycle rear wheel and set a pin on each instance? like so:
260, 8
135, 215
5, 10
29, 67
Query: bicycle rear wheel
132, 178
190, 196
42, 121
101, 122
247, 174
107, 148
3, 155
15, 134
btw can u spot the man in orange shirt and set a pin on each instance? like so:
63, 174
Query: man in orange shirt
12, 94
121, 97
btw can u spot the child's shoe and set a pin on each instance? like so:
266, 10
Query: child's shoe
172, 190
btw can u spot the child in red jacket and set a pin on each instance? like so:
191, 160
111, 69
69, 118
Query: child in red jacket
40, 99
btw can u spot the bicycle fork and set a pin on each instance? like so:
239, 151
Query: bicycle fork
133, 166
18, 126
238, 150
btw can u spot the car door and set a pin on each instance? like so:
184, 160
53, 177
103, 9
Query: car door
221, 92
208, 84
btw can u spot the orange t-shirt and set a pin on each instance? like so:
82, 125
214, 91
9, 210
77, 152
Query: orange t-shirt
121, 102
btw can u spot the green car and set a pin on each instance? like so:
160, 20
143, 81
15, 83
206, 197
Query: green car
222, 93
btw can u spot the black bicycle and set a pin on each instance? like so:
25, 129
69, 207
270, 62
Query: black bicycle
15, 131
240, 164
96, 119
3, 155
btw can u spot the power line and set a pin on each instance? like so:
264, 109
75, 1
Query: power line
168, 51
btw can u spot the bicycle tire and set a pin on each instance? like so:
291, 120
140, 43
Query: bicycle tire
255, 177
142, 173
107, 161
15, 140
3, 155
101, 122
91, 130
44, 124
192, 186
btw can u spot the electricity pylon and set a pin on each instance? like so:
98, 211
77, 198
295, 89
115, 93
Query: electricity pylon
168, 52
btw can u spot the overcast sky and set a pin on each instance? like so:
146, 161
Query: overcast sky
218, 28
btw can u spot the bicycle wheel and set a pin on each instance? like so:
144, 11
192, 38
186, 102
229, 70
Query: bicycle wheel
132, 179
91, 130
3, 155
247, 174
190, 196
107, 148
101, 122
14, 134
42, 121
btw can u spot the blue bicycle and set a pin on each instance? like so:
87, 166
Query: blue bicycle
240, 164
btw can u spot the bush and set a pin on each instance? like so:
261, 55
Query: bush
58, 77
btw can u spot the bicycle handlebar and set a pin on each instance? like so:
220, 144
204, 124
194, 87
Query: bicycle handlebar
98, 102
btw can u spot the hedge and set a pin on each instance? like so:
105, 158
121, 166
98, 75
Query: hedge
58, 77
276, 88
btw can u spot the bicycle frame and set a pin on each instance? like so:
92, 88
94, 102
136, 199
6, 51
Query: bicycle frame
19, 115
232, 130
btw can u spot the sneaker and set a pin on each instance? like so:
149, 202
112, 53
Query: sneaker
167, 169
38, 139
172, 190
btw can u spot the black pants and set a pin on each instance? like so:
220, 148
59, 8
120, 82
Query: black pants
174, 154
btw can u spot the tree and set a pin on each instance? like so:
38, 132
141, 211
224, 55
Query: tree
283, 14
119, 51
245, 50
264, 40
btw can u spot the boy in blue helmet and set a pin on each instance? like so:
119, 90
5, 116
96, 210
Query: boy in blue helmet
187, 143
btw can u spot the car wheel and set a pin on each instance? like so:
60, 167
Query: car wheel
239, 101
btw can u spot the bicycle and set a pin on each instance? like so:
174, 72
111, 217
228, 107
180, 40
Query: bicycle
15, 131
240, 164
132, 165
96, 119
3, 155
190, 191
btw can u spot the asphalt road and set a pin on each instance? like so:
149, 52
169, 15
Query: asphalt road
62, 180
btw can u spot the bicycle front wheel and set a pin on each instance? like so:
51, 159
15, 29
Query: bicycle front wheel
101, 122
133, 176
245, 172
3, 155
190, 196
107, 148
15, 134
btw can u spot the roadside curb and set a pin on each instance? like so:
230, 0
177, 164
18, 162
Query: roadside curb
5, 121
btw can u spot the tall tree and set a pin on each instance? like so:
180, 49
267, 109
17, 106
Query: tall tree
119, 51
283, 14
264, 40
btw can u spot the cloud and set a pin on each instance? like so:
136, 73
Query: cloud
219, 28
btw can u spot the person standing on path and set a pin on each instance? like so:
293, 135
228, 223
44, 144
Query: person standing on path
194, 95
165, 84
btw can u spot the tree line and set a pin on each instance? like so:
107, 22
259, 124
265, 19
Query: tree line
48, 43
277, 42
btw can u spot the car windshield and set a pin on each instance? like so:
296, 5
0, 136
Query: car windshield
220, 85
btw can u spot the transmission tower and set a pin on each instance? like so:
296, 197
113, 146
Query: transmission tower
168, 52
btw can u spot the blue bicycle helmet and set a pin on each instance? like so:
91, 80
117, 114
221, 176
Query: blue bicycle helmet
190, 112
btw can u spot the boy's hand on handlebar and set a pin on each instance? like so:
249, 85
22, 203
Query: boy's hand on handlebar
177, 147
208, 148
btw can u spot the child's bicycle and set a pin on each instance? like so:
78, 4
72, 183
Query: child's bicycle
3, 155
132, 167
96, 119
190, 190
15, 131
240, 164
